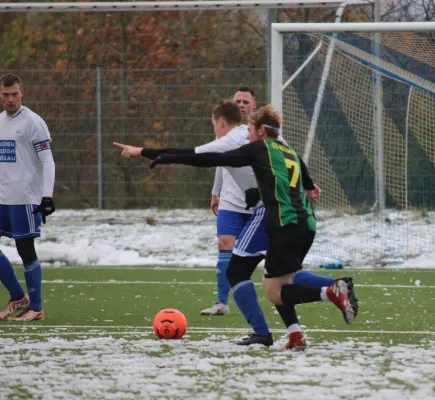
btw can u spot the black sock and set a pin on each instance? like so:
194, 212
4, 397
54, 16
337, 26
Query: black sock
288, 314
298, 294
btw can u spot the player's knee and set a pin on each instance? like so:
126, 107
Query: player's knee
236, 273
26, 249
240, 269
272, 287
226, 242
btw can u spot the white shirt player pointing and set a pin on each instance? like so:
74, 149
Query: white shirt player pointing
26, 169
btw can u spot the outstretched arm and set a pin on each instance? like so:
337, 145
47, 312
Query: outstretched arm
133, 151
234, 158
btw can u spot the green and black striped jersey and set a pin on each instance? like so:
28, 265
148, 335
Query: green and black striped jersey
277, 169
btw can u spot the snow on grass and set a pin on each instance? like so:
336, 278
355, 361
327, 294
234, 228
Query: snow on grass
188, 238
139, 366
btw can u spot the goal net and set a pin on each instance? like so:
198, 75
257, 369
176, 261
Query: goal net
360, 108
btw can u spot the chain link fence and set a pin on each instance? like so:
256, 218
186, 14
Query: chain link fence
155, 108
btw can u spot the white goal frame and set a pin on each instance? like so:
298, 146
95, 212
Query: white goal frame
277, 29
277, 78
173, 5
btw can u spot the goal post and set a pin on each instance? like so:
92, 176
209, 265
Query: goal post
278, 29
358, 102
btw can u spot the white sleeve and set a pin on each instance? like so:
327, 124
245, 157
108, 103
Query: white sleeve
40, 137
218, 181
244, 177
221, 145
39, 130
48, 172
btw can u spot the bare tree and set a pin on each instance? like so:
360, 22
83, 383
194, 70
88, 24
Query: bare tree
408, 10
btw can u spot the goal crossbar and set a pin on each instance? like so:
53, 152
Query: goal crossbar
354, 27
171, 5
277, 29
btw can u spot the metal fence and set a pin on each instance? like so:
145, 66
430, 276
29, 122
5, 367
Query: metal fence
156, 108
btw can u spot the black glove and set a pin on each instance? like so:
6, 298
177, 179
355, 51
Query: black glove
149, 153
157, 160
252, 197
45, 208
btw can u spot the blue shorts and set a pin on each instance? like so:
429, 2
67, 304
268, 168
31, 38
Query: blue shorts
18, 222
253, 240
230, 223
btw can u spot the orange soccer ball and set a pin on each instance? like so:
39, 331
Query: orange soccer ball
170, 323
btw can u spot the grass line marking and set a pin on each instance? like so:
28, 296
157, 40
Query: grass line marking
131, 328
212, 268
117, 282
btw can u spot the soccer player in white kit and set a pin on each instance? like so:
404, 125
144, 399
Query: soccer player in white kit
228, 199
232, 134
26, 196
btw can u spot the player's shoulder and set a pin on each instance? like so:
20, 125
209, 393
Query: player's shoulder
31, 115
279, 145
238, 134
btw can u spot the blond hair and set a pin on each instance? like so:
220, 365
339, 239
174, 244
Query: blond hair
268, 118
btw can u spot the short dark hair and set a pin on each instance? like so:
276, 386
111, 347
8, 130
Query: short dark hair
246, 89
8, 80
229, 110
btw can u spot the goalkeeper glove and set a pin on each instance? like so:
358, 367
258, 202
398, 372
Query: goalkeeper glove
252, 197
45, 208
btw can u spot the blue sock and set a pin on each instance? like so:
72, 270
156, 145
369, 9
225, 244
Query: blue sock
246, 299
223, 286
33, 275
9, 279
312, 279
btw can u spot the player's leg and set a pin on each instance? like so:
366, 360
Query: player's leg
249, 250
239, 276
25, 227
304, 277
18, 299
296, 339
283, 259
229, 224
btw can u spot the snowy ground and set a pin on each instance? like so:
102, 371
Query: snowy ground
187, 238
78, 365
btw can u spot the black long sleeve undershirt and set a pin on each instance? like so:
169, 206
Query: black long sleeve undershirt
154, 153
307, 182
233, 158
227, 159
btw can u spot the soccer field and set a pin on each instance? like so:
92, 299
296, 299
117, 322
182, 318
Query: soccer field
97, 341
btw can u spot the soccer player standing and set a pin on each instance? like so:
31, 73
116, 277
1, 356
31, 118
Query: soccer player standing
228, 201
27, 173
228, 198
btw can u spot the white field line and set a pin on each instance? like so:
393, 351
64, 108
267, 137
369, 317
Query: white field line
115, 282
213, 268
125, 329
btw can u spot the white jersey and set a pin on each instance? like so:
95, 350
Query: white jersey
232, 196
22, 137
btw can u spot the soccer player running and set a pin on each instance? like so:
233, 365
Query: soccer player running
27, 173
277, 169
251, 246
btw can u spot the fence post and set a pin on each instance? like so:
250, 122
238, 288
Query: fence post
100, 154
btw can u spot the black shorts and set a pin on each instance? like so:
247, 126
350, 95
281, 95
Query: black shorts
284, 250
308, 241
